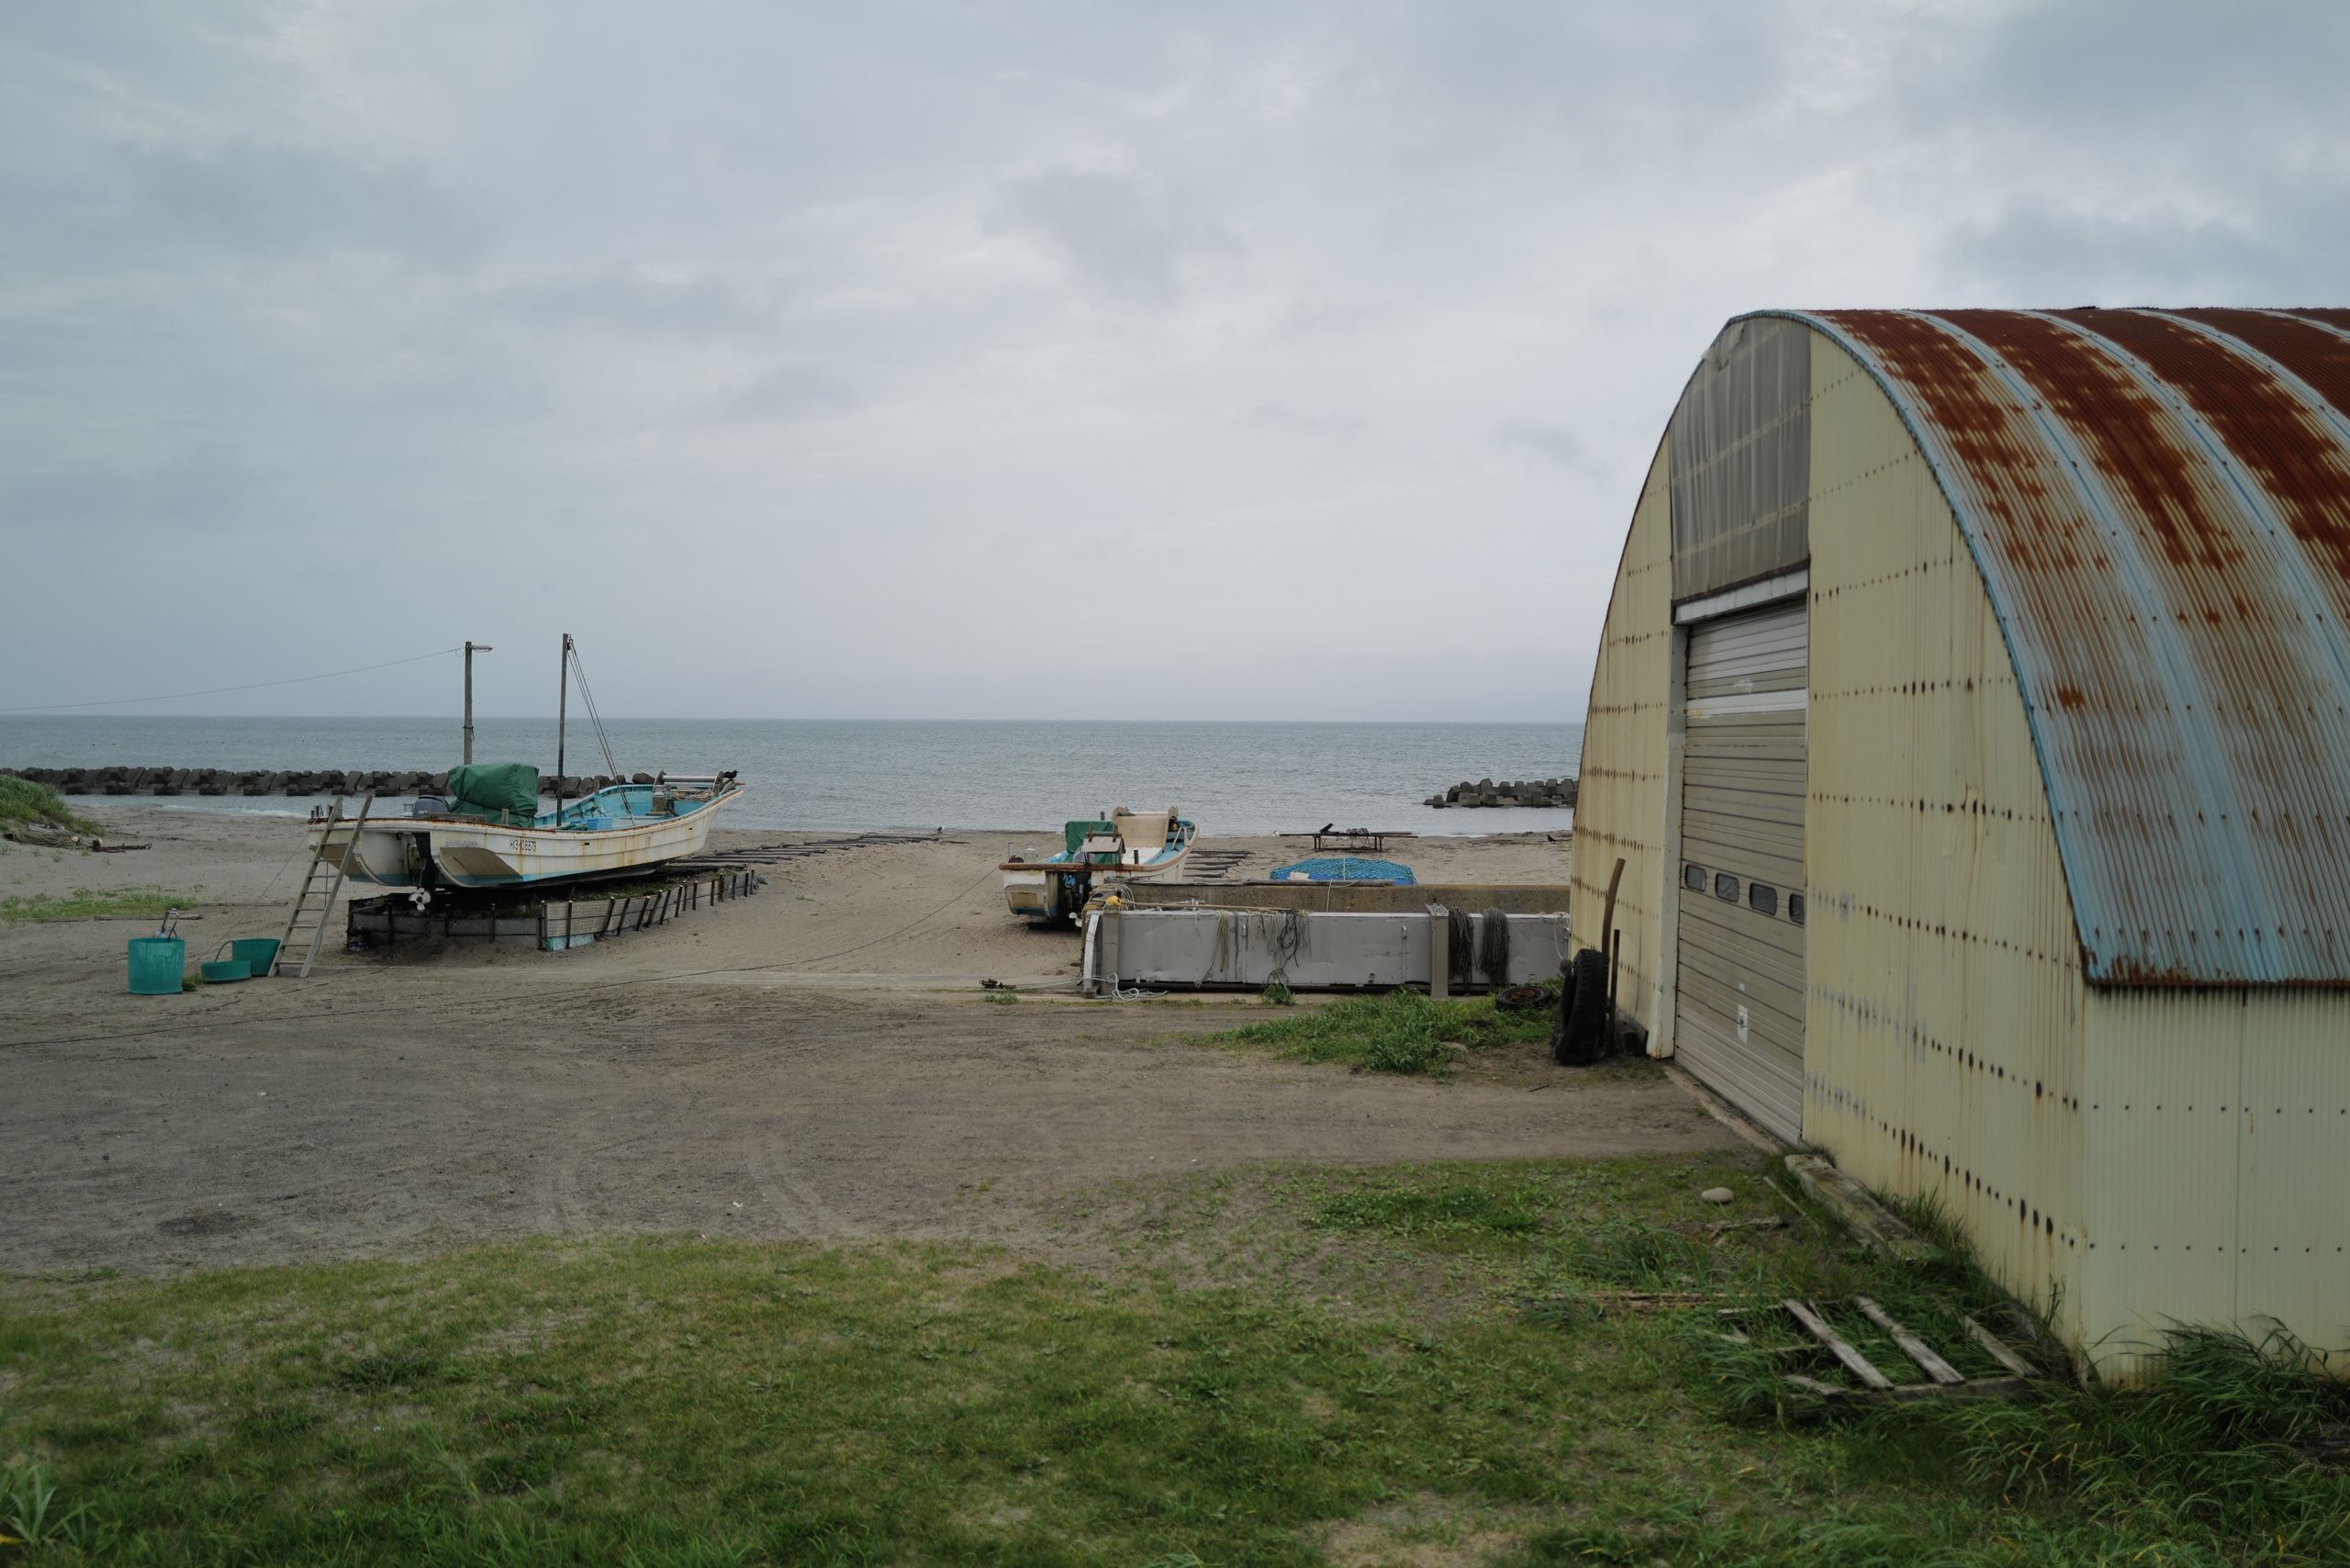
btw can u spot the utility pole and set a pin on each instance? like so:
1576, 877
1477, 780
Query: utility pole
470, 649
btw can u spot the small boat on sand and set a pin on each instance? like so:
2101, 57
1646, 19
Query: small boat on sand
487, 830
457, 842
1129, 846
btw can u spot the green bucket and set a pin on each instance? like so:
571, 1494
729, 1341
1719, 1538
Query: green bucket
156, 965
258, 952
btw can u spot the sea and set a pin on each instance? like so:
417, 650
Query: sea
857, 775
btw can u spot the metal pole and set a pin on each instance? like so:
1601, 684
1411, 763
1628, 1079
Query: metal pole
562, 703
1615, 965
470, 649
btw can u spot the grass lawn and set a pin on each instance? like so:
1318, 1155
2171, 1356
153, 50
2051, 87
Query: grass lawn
1286, 1366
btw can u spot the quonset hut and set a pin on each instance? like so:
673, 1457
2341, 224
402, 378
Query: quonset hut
1973, 718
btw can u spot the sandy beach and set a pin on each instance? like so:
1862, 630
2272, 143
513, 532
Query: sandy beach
844, 917
817, 1060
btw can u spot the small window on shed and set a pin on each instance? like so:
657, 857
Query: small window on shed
1795, 908
1694, 878
1726, 886
1761, 898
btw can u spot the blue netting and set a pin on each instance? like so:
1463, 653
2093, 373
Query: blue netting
1346, 869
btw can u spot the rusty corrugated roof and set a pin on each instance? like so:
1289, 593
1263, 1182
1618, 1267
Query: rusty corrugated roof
2159, 502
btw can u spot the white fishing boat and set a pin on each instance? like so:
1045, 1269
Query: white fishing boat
487, 831
1128, 845
628, 827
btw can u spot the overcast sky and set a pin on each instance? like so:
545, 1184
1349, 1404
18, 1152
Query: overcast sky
1003, 360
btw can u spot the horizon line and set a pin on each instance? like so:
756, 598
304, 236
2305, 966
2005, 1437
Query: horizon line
480, 718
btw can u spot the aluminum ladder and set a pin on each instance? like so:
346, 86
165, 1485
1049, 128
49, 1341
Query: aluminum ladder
320, 884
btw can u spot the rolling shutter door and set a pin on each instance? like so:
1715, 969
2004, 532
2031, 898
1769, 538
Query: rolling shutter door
1740, 1002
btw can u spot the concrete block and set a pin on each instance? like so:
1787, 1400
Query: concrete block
1439, 950
1306, 950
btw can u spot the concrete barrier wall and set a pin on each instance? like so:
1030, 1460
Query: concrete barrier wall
1354, 898
1305, 949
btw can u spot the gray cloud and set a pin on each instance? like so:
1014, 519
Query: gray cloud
787, 392
693, 307
802, 279
1121, 237
1291, 420
1469, 68
2262, 241
2099, 65
208, 493
263, 199
1553, 444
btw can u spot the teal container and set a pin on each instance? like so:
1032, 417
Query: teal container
156, 965
219, 971
258, 952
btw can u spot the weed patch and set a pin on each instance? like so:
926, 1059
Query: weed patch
1403, 1032
31, 1514
26, 803
1408, 1208
147, 903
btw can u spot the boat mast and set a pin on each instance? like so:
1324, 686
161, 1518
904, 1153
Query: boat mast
562, 702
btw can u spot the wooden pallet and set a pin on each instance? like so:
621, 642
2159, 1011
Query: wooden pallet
1211, 865
1943, 1379
775, 854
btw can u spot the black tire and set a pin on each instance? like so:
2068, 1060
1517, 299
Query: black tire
1519, 998
1586, 1033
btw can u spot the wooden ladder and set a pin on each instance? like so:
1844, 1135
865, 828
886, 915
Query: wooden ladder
320, 885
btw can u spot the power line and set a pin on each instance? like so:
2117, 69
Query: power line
217, 691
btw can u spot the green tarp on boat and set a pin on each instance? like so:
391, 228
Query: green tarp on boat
507, 791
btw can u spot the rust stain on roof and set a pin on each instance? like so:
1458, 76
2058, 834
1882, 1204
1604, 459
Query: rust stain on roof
2319, 357
2299, 463
2117, 422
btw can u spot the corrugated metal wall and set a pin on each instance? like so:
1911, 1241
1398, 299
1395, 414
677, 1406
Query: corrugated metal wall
2154, 1155
1742, 447
2218, 1158
1620, 802
1944, 1035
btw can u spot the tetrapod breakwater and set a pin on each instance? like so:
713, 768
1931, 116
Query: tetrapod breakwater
1511, 792
120, 781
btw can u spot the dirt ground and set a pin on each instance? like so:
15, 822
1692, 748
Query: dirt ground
816, 1062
